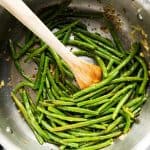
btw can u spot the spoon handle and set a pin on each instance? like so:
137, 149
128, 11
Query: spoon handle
25, 15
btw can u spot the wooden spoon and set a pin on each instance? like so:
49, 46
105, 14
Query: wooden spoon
85, 73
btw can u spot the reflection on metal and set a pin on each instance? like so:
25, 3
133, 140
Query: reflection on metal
9, 130
143, 144
139, 14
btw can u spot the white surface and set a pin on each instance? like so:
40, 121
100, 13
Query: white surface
4, 141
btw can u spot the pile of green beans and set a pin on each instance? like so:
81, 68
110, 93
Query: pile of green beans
61, 113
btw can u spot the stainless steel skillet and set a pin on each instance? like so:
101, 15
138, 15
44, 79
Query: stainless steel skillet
133, 14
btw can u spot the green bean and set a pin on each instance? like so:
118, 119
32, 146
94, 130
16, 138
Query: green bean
46, 13
57, 121
36, 52
23, 84
56, 138
43, 77
51, 108
58, 10
102, 101
21, 107
25, 48
145, 80
81, 14
13, 52
47, 83
119, 127
131, 70
83, 132
51, 80
114, 98
109, 66
127, 79
98, 126
134, 107
63, 87
112, 50
88, 144
102, 65
135, 48
65, 65
82, 53
111, 75
50, 94
82, 124
16, 62
52, 12
60, 37
128, 111
81, 44
52, 123
31, 116
93, 101
19, 45
114, 124
28, 35
38, 137
98, 50
21, 71
120, 104
62, 147
68, 73
27, 105
57, 59
65, 21
44, 94
23, 111
97, 100
33, 107
40, 118
71, 91
64, 135
80, 134
67, 99
72, 86
56, 24
116, 39
98, 146
65, 28
78, 110
96, 86
106, 55
128, 123
97, 138
67, 36
109, 111
40, 69
59, 134
83, 37
99, 91
133, 101
95, 36
111, 88
71, 119
55, 94
136, 111
60, 102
